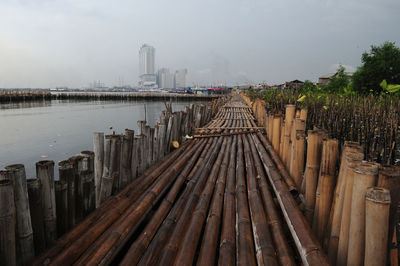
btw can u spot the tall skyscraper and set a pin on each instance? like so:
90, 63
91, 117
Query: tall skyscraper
180, 78
147, 66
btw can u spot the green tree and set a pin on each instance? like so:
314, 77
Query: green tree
381, 63
339, 82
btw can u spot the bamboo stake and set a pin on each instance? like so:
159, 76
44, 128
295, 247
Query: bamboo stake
7, 223
364, 177
115, 162
135, 158
389, 178
326, 184
88, 182
345, 176
67, 174
281, 139
346, 211
61, 190
289, 116
270, 127
377, 205
126, 160
36, 211
303, 114
314, 147
24, 232
45, 172
276, 134
98, 148
106, 180
297, 158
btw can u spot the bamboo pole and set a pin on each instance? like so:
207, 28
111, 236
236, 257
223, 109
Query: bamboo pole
36, 211
152, 254
364, 177
314, 148
7, 223
389, 178
345, 176
187, 251
135, 252
24, 232
61, 190
326, 184
377, 205
282, 249
208, 249
45, 172
289, 116
309, 249
227, 247
98, 148
276, 134
107, 246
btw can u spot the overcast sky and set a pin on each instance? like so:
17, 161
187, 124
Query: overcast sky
49, 43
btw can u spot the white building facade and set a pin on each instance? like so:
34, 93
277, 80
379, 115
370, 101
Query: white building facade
147, 73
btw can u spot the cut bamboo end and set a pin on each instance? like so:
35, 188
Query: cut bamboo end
377, 207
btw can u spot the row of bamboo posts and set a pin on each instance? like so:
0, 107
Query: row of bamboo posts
351, 204
34, 213
10, 96
7, 96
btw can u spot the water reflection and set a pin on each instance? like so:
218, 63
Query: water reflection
56, 130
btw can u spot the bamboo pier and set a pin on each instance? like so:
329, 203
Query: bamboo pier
214, 184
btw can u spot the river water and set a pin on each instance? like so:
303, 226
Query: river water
57, 130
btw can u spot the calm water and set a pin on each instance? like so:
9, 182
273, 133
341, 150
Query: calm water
56, 130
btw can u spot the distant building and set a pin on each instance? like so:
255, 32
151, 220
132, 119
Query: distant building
147, 73
294, 84
180, 78
165, 79
324, 80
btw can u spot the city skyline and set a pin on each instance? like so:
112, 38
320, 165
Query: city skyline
71, 43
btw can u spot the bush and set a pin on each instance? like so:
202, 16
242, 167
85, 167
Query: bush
381, 63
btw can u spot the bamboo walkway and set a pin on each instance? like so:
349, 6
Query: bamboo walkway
222, 198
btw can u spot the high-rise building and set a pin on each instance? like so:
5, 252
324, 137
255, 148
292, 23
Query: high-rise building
180, 78
147, 66
165, 79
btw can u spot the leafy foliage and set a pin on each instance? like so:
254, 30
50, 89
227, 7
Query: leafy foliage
381, 63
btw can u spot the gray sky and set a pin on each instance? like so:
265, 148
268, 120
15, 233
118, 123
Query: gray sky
49, 43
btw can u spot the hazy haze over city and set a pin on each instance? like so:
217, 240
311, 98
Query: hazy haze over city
49, 43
